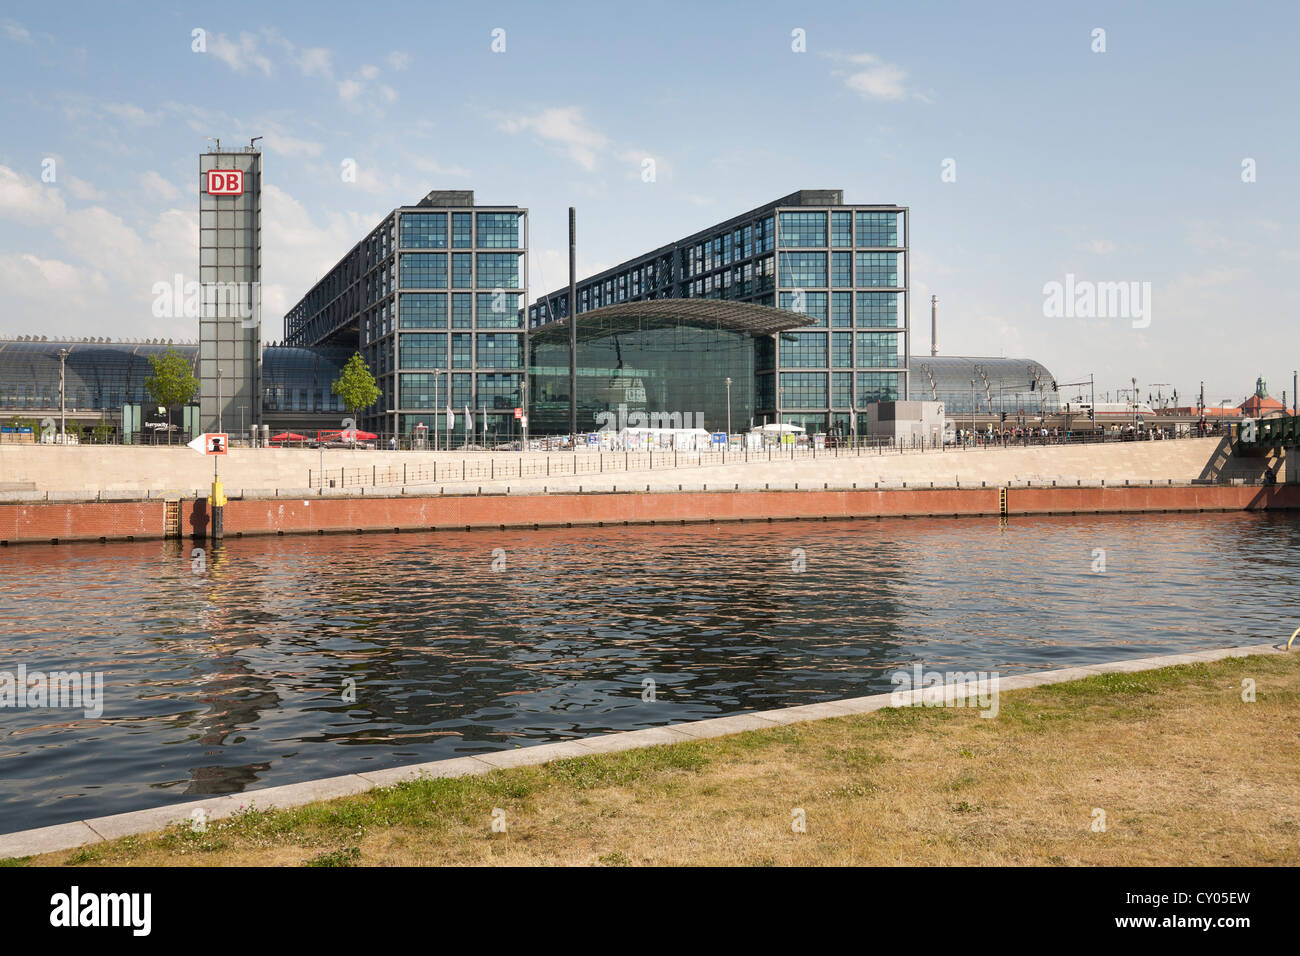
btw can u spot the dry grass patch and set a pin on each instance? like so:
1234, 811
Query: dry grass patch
1185, 770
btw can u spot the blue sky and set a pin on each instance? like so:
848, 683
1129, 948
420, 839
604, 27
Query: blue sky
1123, 165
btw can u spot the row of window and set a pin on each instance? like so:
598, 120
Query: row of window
429, 310
496, 390
429, 350
805, 229
818, 390
428, 270
428, 230
809, 350
807, 270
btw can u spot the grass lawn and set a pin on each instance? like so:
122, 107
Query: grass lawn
1186, 772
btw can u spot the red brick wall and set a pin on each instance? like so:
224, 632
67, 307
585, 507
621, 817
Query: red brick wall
81, 521
144, 519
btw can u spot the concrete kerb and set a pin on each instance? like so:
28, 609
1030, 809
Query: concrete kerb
68, 836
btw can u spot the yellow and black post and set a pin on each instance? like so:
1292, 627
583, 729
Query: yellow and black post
216, 505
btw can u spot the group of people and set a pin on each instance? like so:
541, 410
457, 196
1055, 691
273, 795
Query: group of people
1014, 435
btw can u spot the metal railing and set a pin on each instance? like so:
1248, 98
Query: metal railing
487, 465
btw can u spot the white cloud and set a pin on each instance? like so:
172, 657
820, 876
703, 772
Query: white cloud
399, 61
1100, 247
155, 185
80, 189
874, 79
242, 55
566, 128
26, 199
16, 31
132, 114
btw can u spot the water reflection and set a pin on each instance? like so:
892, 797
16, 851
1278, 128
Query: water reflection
238, 677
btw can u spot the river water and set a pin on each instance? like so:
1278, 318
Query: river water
275, 660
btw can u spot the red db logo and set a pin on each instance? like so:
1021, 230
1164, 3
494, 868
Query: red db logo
225, 182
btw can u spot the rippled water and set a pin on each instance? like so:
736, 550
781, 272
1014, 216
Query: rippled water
234, 678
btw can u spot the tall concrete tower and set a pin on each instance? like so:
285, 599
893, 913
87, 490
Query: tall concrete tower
230, 277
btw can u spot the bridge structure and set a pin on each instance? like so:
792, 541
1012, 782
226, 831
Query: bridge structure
1270, 434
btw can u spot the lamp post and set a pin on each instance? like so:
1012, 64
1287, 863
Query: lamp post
728, 380
523, 421
219, 428
63, 405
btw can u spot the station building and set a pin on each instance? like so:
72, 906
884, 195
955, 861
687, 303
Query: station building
433, 299
841, 268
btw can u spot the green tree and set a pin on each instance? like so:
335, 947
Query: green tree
356, 386
172, 382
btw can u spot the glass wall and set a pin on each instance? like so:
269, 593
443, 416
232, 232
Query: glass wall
644, 371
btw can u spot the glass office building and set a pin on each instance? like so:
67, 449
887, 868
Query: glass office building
841, 268
661, 364
433, 298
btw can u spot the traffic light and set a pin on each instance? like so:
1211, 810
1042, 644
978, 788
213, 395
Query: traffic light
1004, 416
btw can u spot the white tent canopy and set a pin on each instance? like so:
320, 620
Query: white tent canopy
782, 428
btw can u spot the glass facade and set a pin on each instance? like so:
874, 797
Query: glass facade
391, 293
642, 371
838, 266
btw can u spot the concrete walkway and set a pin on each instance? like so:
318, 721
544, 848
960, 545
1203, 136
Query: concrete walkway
68, 836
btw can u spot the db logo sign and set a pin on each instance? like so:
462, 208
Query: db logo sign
225, 182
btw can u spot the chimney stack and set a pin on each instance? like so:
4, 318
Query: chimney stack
934, 326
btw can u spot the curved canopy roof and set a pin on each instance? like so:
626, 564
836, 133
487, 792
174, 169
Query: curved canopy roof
717, 313
935, 375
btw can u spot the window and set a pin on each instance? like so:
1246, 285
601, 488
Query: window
421, 390
500, 350
877, 387
841, 269
498, 270
423, 310
877, 349
462, 270
424, 230
803, 229
842, 310
462, 310
878, 310
764, 354
423, 349
499, 390
841, 229
462, 350
811, 304
498, 230
804, 270
842, 349
461, 225
803, 349
841, 389
498, 310
423, 270
461, 394
765, 391
803, 390
878, 269
878, 229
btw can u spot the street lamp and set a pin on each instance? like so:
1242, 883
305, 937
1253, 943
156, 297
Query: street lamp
728, 408
63, 406
219, 428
